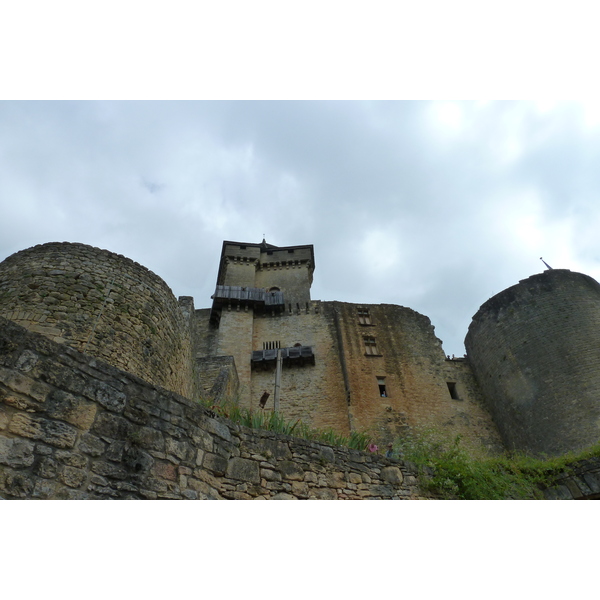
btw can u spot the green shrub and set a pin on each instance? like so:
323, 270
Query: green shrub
449, 471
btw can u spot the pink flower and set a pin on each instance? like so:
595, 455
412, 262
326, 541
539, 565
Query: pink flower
372, 448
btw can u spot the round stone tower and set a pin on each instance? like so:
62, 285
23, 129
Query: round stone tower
535, 351
102, 304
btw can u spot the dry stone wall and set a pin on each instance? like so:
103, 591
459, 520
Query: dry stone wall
103, 304
74, 427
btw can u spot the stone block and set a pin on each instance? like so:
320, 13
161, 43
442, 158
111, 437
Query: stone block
177, 448
20, 402
108, 469
239, 496
109, 397
73, 477
44, 489
354, 478
16, 484
283, 496
16, 453
323, 494
310, 477
215, 463
336, 480
276, 449
66, 407
243, 469
202, 439
47, 468
92, 445
54, 433
300, 489
71, 458
593, 481
270, 475
385, 491
392, 475
327, 454
573, 488
217, 428
290, 470
24, 385
111, 426
204, 490
26, 361
97, 480
115, 451
165, 470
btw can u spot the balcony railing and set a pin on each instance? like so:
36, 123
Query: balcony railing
226, 293
235, 295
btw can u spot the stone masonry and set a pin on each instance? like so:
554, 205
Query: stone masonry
74, 427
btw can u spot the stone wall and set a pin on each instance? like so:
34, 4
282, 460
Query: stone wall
216, 379
102, 304
535, 351
408, 358
315, 393
582, 482
72, 426
341, 389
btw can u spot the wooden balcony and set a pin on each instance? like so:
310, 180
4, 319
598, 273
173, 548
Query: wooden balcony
235, 295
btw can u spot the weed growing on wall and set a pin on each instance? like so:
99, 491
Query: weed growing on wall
272, 421
450, 471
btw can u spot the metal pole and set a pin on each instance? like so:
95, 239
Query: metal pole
277, 381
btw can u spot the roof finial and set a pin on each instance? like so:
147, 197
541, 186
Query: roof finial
545, 263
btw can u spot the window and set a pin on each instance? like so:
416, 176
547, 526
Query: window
364, 318
271, 345
452, 389
290, 252
242, 247
370, 346
382, 389
273, 289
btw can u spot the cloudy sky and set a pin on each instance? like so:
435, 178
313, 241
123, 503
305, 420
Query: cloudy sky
432, 205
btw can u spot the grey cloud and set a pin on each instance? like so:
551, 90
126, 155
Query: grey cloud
401, 208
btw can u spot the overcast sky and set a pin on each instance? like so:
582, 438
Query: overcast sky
436, 206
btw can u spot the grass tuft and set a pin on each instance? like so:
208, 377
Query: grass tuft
272, 421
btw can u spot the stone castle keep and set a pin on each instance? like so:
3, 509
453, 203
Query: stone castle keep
530, 380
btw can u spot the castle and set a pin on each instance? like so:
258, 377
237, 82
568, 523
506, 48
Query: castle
530, 380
